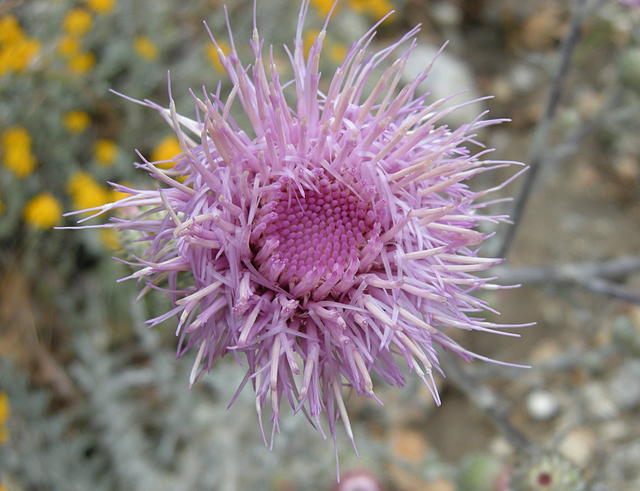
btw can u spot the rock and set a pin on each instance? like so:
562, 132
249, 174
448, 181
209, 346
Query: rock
624, 387
615, 430
597, 402
579, 445
542, 405
446, 14
523, 78
449, 75
408, 445
545, 351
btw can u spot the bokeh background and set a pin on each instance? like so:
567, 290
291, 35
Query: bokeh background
92, 399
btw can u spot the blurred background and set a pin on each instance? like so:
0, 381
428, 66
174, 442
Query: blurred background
92, 399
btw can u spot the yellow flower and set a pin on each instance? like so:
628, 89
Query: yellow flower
16, 49
375, 8
16, 150
166, 150
109, 237
102, 6
77, 22
86, 192
323, 6
105, 151
212, 54
82, 63
69, 46
76, 121
145, 48
5, 408
17, 55
5, 61
337, 53
309, 38
10, 30
16, 136
5, 411
19, 160
43, 211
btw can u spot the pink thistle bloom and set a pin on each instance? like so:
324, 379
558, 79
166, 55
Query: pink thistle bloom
330, 242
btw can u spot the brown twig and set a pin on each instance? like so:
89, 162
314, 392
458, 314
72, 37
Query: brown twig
541, 134
569, 272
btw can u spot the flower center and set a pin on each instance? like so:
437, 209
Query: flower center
312, 242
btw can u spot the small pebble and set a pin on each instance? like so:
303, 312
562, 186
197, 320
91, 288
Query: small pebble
542, 405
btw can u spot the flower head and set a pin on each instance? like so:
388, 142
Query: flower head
76, 121
105, 151
86, 192
17, 50
102, 6
77, 22
81, 63
5, 411
333, 240
15, 145
145, 48
43, 211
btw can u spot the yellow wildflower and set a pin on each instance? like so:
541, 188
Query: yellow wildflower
76, 121
102, 6
16, 150
212, 54
69, 46
165, 151
42, 211
105, 152
309, 38
5, 61
16, 49
86, 192
17, 56
77, 22
374, 8
145, 48
337, 53
82, 63
5, 410
22, 52
10, 30
109, 237
323, 6
16, 136
19, 160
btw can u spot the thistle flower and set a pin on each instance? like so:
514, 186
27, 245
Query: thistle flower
332, 241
